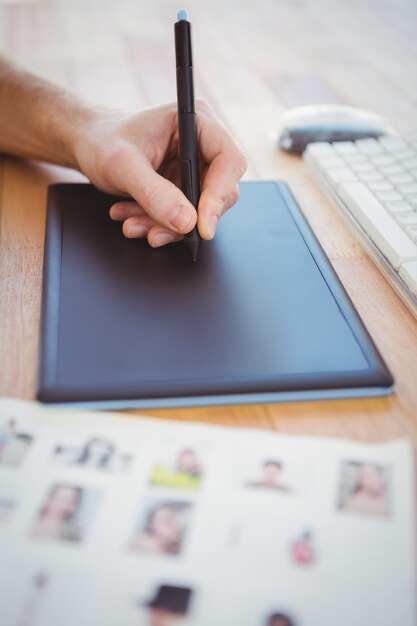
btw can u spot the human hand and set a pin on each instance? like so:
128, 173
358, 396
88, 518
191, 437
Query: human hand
137, 155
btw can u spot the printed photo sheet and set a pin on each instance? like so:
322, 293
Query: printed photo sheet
109, 519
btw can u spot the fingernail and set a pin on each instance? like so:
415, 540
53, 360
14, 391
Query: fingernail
161, 239
181, 218
137, 230
212, 225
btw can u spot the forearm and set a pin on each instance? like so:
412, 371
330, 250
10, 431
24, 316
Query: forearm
39, 120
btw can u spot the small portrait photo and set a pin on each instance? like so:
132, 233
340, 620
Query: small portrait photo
271, 476
14, 443
96, 453
182, 469
66, 513
168, 606
303, 550
279, 619
7, 507
365, 488
162, 527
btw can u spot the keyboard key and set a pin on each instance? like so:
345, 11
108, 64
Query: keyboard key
369, 146
341, 175
408, 273
412, 232
378, 223
320, 148
400, 179
370, 176
330, 162
393, 144
380, 185
409, 219
407, 189
388, 196
398, 206
403, 155
410, 163
391, 169
412, 199
354, 158
363, 167
382, 159
345, 147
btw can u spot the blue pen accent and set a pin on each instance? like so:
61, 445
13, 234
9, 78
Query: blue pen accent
182, 15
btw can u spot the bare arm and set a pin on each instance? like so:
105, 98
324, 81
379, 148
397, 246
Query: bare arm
131, 154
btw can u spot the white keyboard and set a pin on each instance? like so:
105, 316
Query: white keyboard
374, 182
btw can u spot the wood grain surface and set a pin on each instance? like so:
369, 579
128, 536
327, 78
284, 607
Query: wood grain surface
253, 60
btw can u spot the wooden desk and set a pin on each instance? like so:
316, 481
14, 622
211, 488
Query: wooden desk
255, 61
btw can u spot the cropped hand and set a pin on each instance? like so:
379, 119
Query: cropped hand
136, 155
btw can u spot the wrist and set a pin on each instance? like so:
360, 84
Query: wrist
81, 119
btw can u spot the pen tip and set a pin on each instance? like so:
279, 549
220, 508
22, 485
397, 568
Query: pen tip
194, 248
182, 15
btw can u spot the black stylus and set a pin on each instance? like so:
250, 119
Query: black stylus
187, 123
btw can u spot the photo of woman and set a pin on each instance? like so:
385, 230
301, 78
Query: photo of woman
365, 489
164, 530
65, 513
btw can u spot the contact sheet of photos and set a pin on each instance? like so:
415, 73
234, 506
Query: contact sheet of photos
110, 520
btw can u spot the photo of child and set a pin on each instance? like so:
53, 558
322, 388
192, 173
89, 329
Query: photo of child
365, 489
302, 549
96, 453
270, 476
169, 606
163, 528
184, 471
65, 513
14, 443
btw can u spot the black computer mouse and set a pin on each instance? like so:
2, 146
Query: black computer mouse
307, 124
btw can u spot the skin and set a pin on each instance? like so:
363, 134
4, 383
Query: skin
62, 503
370, 495
271, 475
160, 617
132, 154
187, 461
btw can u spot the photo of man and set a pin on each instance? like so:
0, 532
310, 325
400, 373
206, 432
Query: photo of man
169, 606
14, 444
65, 513
164, 528
365, 489
271, 476
184, 471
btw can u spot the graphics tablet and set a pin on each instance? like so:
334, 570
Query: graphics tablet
260, 317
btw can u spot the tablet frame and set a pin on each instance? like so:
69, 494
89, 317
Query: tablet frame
374, 381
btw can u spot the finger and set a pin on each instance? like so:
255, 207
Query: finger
160, 198
227, 164
120, 211
135, 227
158, 237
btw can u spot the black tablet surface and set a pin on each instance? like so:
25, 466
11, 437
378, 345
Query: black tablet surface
260, 317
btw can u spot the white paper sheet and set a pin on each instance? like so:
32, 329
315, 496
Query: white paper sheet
109, 520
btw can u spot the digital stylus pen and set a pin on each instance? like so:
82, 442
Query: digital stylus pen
187, 123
